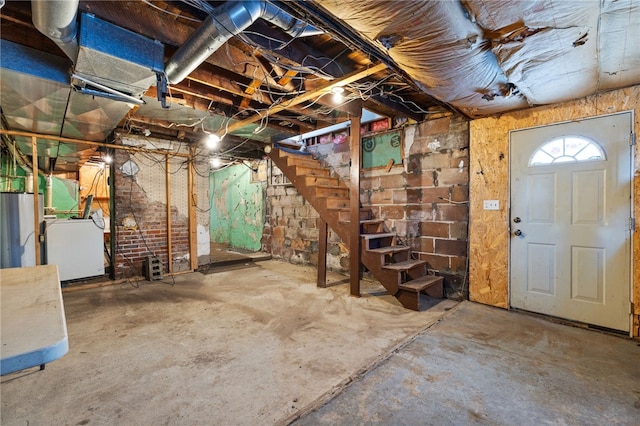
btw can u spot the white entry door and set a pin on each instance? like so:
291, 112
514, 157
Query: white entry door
570, 220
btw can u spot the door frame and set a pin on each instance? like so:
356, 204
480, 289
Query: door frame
631, 207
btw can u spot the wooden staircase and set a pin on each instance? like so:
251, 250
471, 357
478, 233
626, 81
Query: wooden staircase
388, 261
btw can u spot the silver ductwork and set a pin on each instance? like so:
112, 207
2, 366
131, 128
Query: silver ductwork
224, 22
290, 25
111, 70
108, 61
57, 20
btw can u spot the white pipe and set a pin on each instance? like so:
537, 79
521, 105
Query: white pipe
48, 202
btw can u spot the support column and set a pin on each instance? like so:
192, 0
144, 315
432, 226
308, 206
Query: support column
323, 229
193, 199
355, 270
168, 196
36, 200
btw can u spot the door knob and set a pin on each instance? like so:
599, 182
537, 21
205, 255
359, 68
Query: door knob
517, 219
517, 233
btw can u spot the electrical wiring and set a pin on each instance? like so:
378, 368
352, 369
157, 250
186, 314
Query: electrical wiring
144, 240
148, 3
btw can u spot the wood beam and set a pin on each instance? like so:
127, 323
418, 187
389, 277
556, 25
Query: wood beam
193, 200
396, 107
36, 200
350, 78
90, 143
287, 77
167, 177
355, 270
323, 232
205, 76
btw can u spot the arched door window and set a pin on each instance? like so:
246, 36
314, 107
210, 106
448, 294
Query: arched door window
567, 149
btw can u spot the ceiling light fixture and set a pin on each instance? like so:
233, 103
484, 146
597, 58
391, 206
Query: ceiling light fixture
212, 141
337, 94
215, 162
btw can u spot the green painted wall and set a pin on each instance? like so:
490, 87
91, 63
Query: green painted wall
237, 208
66, 195
65, 191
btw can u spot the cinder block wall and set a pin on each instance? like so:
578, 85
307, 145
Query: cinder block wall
291, 231
424, 200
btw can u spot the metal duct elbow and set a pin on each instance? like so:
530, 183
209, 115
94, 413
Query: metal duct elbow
57, 20
290, 25
226, 21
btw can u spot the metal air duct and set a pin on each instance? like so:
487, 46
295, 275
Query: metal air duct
57, 20
224, 22
290, 25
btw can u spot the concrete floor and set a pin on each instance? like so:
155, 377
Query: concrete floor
257, 345
262, 345
483, 365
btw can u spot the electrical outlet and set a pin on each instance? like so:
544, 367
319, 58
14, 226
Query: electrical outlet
491, 204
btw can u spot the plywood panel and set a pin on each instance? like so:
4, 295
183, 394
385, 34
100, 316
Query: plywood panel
488, 230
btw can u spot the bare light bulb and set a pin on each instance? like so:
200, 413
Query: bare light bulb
337, 94
212, 141
108, 159
215, 162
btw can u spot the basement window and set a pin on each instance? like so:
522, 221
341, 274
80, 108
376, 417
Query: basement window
567, 149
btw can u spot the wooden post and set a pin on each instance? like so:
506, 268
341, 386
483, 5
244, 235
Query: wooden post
193, 199
168, 190
355, 270
112, 218
322, 252
36, 200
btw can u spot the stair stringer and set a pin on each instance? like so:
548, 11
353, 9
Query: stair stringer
389, 279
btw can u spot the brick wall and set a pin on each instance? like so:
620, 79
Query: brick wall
424, 200
141, 213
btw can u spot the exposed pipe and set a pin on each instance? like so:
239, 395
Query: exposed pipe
48, 202
57, 20
224, 22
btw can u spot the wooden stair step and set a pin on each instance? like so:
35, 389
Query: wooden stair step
421, 284
304, 161
308, 171
336, 203
345, 214
331, 191
404, 266
364, 221
371, 221
390, 249
379, 235
320, 180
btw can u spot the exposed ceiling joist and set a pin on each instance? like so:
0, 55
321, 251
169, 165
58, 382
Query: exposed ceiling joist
325, 89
